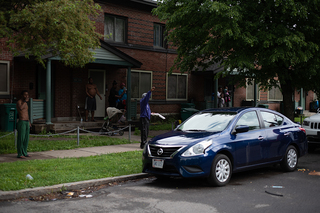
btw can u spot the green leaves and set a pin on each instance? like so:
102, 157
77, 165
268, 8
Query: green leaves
60, 27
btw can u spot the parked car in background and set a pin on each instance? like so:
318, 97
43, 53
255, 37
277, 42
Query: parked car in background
215, 143
312, 127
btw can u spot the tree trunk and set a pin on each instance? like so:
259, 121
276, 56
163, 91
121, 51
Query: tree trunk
288, 104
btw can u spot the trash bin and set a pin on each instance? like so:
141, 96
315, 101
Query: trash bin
8, 117
314, 106
188, 105
187, 112
299, 110
263, 106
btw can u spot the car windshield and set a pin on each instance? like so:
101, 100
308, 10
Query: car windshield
208, 121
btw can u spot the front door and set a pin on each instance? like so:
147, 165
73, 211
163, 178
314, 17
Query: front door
98, 77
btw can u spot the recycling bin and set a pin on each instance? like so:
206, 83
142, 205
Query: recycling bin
263, 106
188, 105
299, 111
8, 117
187, 112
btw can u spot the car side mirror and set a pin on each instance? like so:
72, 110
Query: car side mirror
241, 128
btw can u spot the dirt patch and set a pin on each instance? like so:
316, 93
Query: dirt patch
73, 194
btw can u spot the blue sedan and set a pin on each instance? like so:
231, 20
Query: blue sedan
215, 143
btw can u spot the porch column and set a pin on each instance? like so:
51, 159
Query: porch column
254, 93
129, 94
302, 99
215, 99
48, 93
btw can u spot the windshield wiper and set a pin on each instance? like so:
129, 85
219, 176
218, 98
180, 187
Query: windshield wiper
195, 130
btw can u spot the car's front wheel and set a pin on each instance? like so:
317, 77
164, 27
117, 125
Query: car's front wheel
290, 160
221, 171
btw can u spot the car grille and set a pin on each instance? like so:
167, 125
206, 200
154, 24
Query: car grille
167, 151
314, 125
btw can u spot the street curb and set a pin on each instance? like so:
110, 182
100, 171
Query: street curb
8, 195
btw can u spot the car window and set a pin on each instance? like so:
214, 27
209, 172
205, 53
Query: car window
208, 121
250, 119
271, 119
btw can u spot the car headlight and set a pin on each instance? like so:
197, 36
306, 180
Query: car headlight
197, 149
306, 123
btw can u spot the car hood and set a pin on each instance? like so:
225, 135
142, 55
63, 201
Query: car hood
182, 138
315, 117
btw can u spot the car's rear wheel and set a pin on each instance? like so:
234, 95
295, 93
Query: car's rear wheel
290, 160
221, 171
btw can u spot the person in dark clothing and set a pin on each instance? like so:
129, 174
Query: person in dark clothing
113, 97
145, 113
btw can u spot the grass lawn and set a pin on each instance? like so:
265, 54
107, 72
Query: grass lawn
37, 144
65, 170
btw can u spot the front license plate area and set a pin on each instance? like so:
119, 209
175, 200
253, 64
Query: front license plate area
157, 163
318, 134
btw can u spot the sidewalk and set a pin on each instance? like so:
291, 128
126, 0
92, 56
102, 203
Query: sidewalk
83, 152
80, 152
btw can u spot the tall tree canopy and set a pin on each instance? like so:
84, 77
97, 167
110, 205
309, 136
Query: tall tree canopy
262, 39
58, 27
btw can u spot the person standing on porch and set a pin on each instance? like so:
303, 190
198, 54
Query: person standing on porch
114, 97
145, 113
91, 105
23, 125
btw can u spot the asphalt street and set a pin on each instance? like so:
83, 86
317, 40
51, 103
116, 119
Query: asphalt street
262, 190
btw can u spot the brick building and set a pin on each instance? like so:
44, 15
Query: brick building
134, 53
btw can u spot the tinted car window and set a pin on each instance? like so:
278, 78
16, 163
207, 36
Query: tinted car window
271, 119
250, 119
208, 121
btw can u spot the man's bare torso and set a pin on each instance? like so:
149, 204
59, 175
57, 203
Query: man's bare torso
22, 108
91, 89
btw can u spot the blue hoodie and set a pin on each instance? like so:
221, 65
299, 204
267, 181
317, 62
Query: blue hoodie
145, 111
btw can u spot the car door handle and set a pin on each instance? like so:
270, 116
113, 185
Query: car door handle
260, 138
287, 133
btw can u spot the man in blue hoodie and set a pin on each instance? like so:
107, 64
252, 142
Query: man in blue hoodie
145, 113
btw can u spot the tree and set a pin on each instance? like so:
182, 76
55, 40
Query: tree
57, 27
261, 39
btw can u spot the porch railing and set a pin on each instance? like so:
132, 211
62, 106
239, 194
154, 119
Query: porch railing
133, 112
37, 109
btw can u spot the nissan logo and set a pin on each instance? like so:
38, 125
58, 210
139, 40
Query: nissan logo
160, 151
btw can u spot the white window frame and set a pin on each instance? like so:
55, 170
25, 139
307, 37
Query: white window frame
140, 82
167, 88
269, 99
252, 85
7, 92
114, 20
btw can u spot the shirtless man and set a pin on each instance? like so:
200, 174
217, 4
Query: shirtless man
23, 125
92, 91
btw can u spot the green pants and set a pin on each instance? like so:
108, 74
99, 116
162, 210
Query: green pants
23, 128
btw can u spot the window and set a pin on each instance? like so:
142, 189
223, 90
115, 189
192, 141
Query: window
141, 82
271, 120
115, 28
250, 92
250, 119
275, 94
4, 77
177, 86
158, 35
